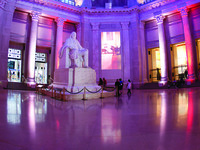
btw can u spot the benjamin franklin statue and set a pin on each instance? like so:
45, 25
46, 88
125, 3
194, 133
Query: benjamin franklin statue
75, 52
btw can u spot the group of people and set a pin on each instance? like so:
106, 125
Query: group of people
119, 86
102, 82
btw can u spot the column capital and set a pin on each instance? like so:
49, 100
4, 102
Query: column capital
35, 15
3, 3
60, 21
184, 11
125, 25
159, 18
78, 26
95, 26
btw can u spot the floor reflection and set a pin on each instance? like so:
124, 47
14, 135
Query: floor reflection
14, 108
155, 119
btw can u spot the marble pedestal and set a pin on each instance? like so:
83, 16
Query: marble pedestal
75, 79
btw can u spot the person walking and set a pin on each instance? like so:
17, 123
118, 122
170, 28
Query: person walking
129, 86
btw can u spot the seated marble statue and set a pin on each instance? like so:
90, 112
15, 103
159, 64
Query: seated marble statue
74, 52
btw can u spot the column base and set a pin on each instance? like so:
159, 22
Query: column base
31, 82
3, 83
162, 83
189, 81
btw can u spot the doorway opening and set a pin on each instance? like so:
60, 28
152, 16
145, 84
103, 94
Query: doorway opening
179, 61
154, 65
40, 68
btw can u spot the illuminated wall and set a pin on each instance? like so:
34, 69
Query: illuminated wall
110, 50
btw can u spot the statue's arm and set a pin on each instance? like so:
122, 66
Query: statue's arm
61, 51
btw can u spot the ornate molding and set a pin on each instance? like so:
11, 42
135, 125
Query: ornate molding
74, 9
155, 4
60, 21
35, 15
3, 3
95, 26
125, 25
159, 19
184, 11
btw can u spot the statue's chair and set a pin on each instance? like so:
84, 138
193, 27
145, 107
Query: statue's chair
66, 62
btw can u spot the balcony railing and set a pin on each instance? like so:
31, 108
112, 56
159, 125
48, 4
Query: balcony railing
70, 2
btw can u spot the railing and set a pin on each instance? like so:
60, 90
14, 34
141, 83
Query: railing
60, 93
179, 71
155, 74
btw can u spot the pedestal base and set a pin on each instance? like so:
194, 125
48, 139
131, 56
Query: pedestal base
75, 79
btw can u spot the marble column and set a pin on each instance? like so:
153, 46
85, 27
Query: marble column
163, 50
6, 14
126, 51
59, 39
32, 49
143, 53
188, 43
96, 51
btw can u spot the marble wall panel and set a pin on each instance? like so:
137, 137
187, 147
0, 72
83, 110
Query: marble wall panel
176, 29
152, 35
44, 33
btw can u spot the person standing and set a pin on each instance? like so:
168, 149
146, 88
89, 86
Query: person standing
117, 87
129, 86
104, 82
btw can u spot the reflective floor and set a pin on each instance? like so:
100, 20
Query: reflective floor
146, 120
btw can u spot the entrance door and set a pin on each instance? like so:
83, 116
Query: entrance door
179, 61
154, 64
198, 53
40, 68
14, 65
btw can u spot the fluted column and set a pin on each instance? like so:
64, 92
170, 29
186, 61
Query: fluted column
188, 43
78, 32
143, 53
59, 39
126, 50
163, 50
32, 49
96, 51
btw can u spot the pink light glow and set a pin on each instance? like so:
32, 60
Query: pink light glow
190, 113
110, 129
31, 115
163, 114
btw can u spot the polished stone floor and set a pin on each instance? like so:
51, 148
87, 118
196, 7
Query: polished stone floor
146, 120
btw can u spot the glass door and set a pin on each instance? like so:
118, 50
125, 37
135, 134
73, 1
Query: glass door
14, 65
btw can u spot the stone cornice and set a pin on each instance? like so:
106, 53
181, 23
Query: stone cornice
3, 3
62, 6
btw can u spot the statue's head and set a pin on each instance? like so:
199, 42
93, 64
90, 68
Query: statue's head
73, 35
